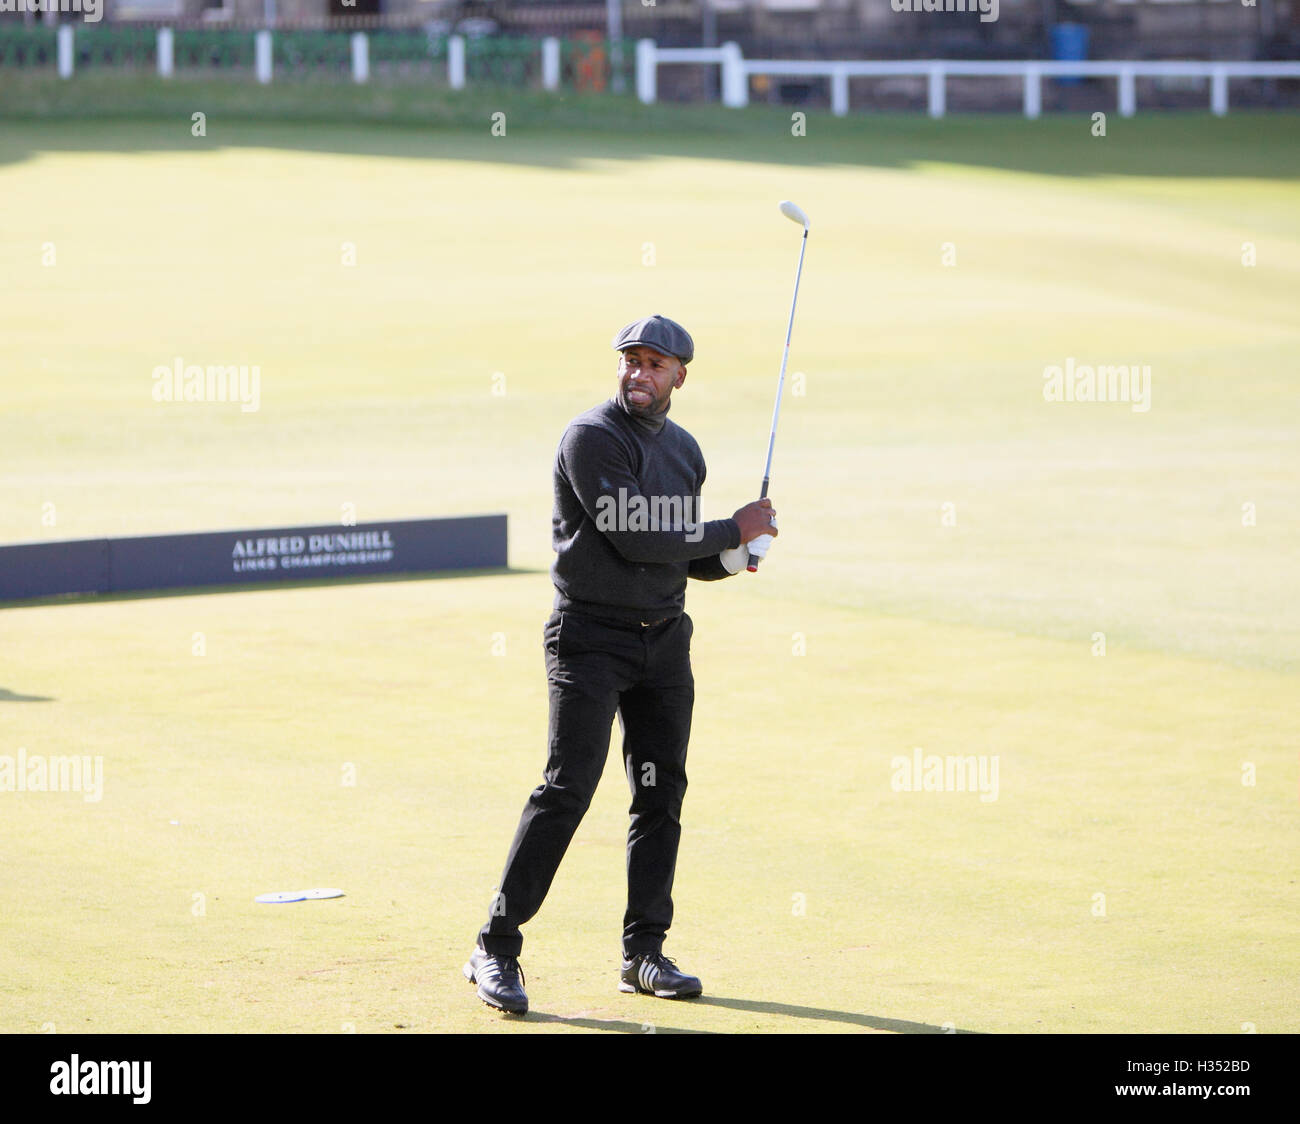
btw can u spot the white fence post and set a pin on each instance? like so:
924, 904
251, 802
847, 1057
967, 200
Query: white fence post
262, 56
1127, 92
456, 62
646, 76
736, 72
1033, 92
166, 54
614, 32
839, 91
936, 89
65, 50
360, 57
550, 63
735, 83
1219, 91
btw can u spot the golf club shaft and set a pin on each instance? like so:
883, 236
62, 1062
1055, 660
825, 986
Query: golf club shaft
780, 385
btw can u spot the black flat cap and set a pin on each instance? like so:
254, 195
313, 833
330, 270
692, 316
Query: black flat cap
660, 333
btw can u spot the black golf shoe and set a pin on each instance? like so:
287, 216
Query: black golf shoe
500, 981
652, 973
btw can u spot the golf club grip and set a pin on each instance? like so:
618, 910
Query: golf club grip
752, 564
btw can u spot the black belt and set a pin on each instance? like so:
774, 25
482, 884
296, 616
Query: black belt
613, 623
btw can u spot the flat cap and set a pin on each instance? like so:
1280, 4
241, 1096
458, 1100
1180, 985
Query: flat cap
660, 333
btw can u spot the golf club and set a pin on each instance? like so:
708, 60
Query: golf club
794, 214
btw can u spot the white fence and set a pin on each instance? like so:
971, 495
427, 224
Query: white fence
360, 55
737, 70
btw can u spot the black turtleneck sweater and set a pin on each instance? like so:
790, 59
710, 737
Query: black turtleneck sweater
626, 527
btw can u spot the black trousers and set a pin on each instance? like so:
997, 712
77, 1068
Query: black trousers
595, 669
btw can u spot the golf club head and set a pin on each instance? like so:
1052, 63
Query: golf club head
794, 214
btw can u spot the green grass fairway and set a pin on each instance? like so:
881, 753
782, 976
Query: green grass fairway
1100, 598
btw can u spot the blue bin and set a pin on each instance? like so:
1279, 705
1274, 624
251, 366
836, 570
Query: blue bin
1069, 44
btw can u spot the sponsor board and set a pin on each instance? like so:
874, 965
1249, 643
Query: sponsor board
251, 556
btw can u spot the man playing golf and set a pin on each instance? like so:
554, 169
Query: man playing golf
626, 535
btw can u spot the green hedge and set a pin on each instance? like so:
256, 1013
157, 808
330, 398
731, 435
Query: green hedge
499, 60
311, 50
218, 47
27, 46
400, 46
115, 45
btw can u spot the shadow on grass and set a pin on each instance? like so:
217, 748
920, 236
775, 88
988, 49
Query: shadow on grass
755, 1006
618, 1026
141, 114
7, 695
264, 587
822, 1014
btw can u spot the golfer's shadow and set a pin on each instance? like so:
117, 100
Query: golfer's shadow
781, 1010
619, 1026
7, 695
824, 1014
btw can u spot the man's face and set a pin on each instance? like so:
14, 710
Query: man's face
647, 378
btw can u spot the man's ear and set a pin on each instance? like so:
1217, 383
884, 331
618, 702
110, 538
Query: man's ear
681, 375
